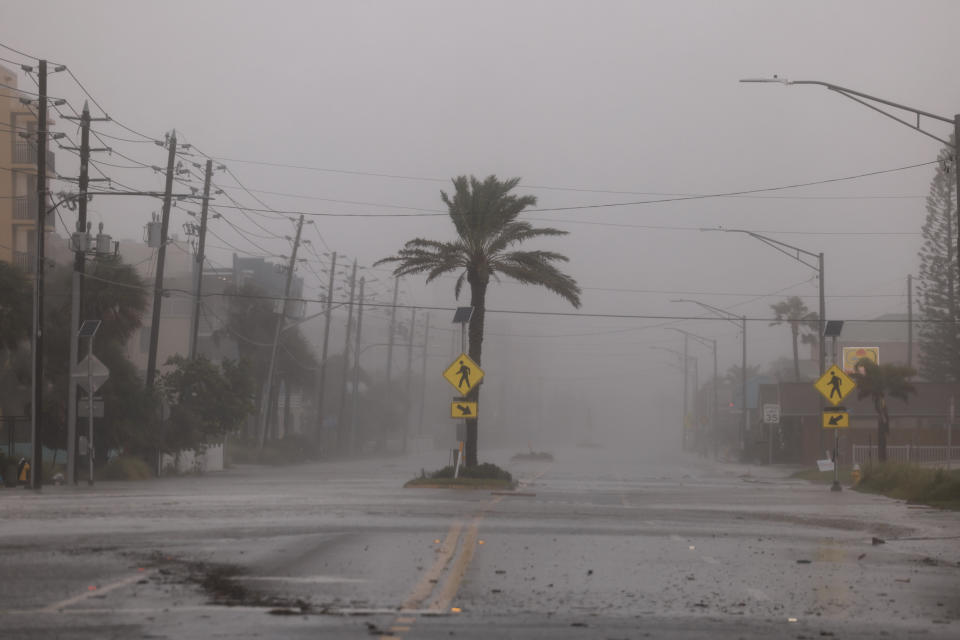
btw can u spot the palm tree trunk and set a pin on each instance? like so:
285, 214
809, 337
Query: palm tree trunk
478, 297
883, 428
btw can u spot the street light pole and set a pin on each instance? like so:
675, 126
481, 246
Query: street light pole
742, 321
806, 258
712, 343
865, 99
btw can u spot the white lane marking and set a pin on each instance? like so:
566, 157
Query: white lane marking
297, 579
757, 594
56, 606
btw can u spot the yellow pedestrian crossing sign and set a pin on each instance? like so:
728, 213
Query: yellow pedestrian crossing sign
834, 385
836, 418
461, 409
463, 374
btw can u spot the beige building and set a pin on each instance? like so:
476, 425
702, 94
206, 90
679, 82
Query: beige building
18, 176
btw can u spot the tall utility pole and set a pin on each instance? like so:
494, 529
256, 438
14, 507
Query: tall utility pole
356, 373
198, 277
413, 325
79, 268
326, 340
268, 391
341, 430
36, 430
393, 326
423, 379
686, 393
161, 259
910, 317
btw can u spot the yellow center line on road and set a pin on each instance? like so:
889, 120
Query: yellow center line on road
424, 588
96, 591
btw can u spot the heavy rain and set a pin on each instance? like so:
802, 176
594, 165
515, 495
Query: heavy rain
423, 319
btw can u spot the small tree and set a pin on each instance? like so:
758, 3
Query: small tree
206, 401
877, 382
804, 325
937, 285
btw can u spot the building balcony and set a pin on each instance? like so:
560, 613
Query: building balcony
25, 211
25, 152
25, 261
24, 208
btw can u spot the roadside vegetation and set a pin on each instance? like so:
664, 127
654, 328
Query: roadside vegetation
913, 483
910, 482
481, 476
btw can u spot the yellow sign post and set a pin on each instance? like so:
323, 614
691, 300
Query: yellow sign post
463, 374
462, 409
836, 418
834, 385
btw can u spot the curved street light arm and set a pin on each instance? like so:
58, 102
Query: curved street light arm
723, 313
861, 98
707, 342
782, 247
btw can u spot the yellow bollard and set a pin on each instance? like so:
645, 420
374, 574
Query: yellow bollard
855, 474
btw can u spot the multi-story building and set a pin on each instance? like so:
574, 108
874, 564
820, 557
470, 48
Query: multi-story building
18, 175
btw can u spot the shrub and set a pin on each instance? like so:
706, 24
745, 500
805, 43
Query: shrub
912, 483
127, 468
484, 471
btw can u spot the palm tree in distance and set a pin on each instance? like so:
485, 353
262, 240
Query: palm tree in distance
484, 215
804, 326
877, 381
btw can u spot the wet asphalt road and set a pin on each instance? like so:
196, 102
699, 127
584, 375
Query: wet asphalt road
601, 543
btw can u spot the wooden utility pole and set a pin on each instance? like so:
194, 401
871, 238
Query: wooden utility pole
423, 380
356, 373
201, 242
342, 443
909, 320
267, 394
393, 327
79, 269
36, 414
326, 339
161, 259
409, 399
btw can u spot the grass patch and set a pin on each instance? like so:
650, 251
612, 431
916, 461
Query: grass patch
824, 477
913, 483
482, 476
125, 468
293, 449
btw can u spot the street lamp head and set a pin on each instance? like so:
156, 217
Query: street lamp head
776, 79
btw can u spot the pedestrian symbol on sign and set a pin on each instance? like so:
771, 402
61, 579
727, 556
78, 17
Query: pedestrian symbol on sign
464, 373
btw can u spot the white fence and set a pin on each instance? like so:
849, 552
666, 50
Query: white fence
920, 454
190, 461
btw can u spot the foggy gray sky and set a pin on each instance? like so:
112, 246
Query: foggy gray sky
638, 97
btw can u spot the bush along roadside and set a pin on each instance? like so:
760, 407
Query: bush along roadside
913, 483
482, 476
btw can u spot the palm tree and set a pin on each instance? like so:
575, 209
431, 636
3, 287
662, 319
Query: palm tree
484, 215
804, 325
877, 381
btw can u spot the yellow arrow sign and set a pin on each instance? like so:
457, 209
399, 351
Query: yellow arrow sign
836, 418
461, 409
463, 374
834, 385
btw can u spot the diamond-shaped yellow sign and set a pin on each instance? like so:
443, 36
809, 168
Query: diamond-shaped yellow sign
463, 374
834, 385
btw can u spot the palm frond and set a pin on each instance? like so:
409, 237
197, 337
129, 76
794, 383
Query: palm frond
535, 267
